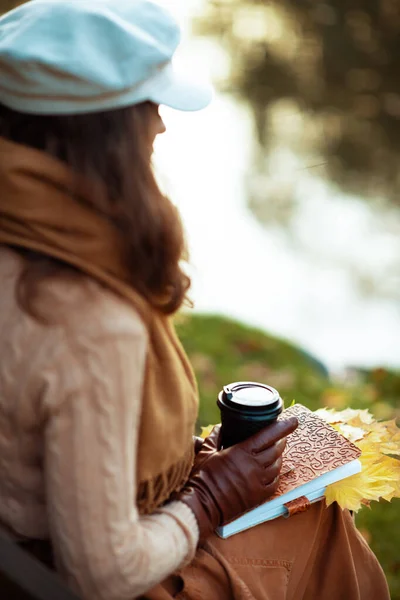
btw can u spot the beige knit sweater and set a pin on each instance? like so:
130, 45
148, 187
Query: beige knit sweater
70, 400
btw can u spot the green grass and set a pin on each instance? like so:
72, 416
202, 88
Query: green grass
222, 351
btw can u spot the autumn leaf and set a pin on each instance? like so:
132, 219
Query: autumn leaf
354, 434
348, 415
380, 474
205, 431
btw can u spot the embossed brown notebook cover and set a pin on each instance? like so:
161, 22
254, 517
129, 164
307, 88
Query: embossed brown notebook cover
316, 455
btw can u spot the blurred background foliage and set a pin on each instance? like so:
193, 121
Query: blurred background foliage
222, 351
334, 63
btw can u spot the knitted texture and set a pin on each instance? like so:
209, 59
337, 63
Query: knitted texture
70, 406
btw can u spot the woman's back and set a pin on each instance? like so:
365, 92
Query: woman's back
70, 399
37, 371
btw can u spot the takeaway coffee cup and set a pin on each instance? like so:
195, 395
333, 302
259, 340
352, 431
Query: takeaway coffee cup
246, 408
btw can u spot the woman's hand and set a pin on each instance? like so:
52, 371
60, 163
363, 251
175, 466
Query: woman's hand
229, 482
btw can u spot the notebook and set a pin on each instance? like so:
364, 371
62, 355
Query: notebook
316, 456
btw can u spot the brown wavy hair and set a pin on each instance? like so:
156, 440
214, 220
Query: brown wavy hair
113, 149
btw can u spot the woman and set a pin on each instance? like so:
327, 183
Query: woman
98, 401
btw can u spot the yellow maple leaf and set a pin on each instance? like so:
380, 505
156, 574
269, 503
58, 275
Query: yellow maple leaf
379, 478
205, 431
348, 493
354, 434
350, 416
329, 415
364, 416
390, 441
380, 475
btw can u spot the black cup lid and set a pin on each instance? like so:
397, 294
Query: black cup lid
250, 394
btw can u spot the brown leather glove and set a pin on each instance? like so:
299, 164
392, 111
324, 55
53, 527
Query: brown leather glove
210, 445
236, 479
197, 443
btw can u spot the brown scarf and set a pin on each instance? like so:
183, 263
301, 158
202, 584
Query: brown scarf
38, 212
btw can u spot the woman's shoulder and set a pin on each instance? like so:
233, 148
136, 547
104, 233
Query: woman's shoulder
83, 304
73, 302
86, 311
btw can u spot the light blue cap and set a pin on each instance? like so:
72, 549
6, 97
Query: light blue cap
82, 56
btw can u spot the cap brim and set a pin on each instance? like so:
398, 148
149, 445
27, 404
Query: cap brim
179, 91
168, 86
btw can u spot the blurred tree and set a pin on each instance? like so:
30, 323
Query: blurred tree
333, 61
